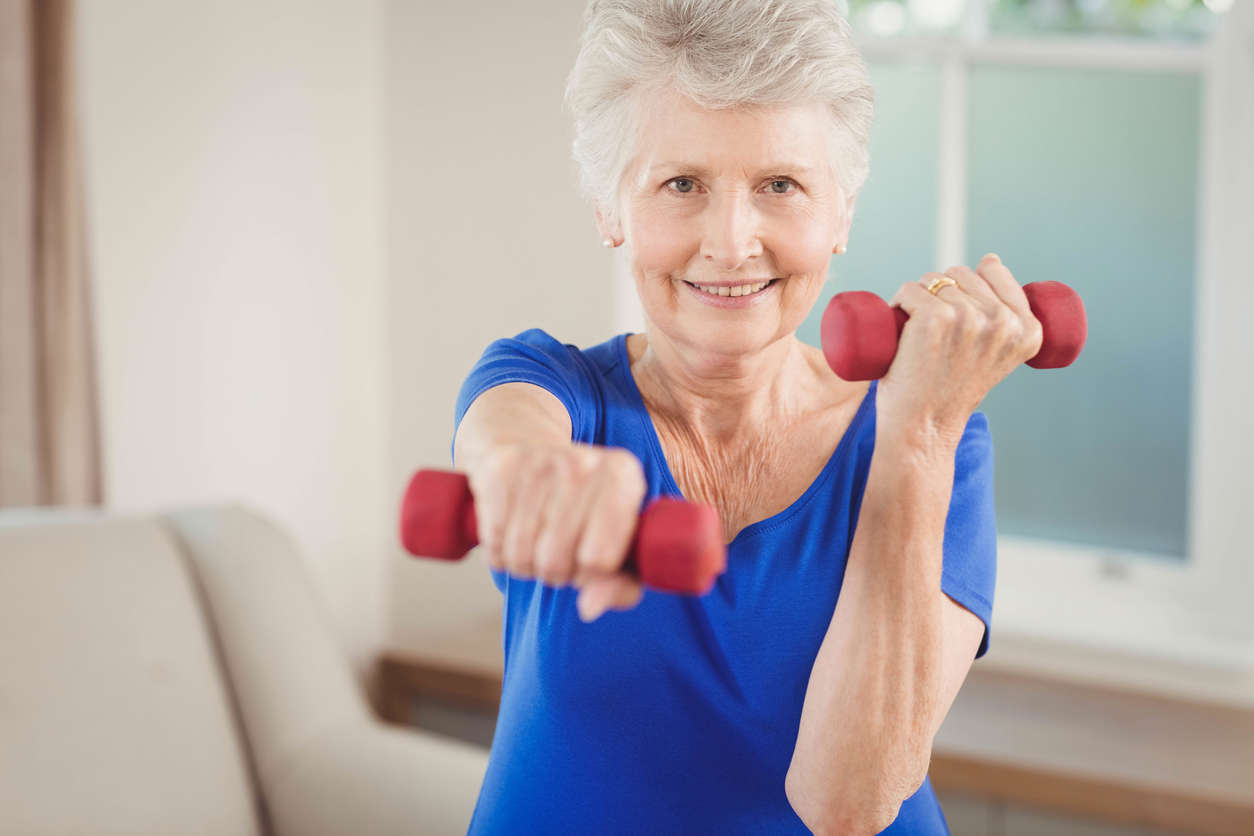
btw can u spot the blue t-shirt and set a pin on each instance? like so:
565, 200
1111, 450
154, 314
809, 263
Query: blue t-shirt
680, 716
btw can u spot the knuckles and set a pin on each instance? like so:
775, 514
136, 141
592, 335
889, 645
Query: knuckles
625, 469
546, 483
997, 332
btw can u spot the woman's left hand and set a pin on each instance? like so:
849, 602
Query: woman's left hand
957, 345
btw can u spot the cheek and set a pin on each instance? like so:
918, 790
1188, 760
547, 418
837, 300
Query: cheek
660, 244
806, 250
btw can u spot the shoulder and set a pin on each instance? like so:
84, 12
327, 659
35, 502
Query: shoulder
540, 343
539, 340
578, 376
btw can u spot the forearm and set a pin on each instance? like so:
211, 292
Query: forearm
863, 744
507, 414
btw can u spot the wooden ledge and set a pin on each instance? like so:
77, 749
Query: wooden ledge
1090, 797
1078, 749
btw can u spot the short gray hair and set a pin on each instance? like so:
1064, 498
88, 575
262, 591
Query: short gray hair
721, 54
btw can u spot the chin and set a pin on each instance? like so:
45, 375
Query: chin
717, 336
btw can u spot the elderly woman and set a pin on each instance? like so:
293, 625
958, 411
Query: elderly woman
722, 144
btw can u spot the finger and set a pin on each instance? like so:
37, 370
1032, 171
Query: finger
976, 289
1004, 284
611, 519
1013, 295
564, 518
492, 496
491, 533
940, 296
603, 538
593, 599
628, 592
1002, 325
618, 592
525, 517
914, 297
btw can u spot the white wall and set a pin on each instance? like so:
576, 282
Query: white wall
233, 156
307, 221
487, 237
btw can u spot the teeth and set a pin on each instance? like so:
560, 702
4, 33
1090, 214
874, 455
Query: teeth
738, 290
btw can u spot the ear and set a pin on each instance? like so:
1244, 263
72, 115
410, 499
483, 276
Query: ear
607, 228
842, 230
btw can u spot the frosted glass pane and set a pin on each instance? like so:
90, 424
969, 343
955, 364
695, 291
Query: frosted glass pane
893, 237
1090, 178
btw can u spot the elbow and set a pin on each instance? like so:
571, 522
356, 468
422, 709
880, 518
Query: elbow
862, 819
827, 808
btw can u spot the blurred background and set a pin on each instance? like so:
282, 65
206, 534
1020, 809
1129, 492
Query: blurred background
250, 250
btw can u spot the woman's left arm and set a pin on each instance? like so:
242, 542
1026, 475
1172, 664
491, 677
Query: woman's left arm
898, 649
894, 656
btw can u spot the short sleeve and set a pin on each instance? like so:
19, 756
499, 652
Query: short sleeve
969, 570
533, 356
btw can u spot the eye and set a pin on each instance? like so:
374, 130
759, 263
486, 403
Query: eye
783, 180
681, 180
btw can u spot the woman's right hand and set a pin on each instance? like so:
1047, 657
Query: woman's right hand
565, 514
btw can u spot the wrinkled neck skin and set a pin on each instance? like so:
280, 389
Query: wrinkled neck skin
728, 399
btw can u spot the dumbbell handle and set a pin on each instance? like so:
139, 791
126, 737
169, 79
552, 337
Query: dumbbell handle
860, 332
678, 545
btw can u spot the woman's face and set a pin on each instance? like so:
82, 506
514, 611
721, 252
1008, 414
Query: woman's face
743, 195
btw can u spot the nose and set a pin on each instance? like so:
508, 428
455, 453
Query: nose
731, 231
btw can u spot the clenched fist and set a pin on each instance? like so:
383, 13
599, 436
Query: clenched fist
958, 344
565, 514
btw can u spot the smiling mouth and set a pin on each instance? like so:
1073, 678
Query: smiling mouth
740, 290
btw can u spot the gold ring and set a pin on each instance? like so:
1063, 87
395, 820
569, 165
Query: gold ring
939, 284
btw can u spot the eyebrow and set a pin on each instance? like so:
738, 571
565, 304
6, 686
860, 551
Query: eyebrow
770, 169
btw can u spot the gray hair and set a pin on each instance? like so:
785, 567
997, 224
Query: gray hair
721, 54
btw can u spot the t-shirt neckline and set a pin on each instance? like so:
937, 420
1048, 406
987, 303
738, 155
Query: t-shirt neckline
671, 485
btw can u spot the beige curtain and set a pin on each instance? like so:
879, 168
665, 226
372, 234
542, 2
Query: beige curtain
49, 427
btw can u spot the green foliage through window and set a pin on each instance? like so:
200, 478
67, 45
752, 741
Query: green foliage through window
1187, 20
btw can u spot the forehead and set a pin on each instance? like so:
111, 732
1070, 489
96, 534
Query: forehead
675, 131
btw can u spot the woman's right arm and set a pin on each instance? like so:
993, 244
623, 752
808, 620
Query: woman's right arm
547, 507
509, 413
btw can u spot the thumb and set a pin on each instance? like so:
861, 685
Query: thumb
616, 591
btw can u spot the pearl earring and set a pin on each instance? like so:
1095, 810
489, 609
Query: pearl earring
839, 249
607, 243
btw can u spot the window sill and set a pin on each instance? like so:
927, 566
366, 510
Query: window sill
1080, 731
1041, 725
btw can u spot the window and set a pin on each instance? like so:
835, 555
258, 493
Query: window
1068, 136
1079, 139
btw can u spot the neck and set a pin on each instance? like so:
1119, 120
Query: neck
724, 397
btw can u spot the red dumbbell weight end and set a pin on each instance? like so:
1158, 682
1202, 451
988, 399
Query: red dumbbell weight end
678, 546
860, 332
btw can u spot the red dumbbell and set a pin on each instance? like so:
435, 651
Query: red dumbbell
860, 332
678, 545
